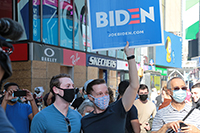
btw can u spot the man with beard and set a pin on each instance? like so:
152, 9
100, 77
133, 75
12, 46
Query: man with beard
169, 118
110, 118
146, 108
58, 117
18, 114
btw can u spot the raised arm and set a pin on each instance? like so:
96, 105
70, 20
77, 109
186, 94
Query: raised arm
34, 107
130, 93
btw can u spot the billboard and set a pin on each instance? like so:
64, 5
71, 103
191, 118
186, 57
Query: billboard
136, 21
171, 53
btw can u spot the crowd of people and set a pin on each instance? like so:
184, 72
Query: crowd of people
94, 109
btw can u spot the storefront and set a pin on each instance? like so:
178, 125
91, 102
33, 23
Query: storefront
102, 67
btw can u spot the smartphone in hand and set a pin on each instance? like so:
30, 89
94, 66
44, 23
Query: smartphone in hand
20, 93
182, 124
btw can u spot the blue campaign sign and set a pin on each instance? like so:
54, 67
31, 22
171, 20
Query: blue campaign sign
171, 53
113, 22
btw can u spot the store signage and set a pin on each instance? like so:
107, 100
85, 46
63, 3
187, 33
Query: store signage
122, 65
72, 58
163, 71
47, 53
20, 52
101, 62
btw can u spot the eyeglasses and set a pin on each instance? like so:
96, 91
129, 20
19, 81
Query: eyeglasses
182, 88
68, 125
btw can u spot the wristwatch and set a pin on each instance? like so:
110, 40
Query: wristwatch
131, 57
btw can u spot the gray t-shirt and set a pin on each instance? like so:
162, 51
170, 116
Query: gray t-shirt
170, 114
5, 125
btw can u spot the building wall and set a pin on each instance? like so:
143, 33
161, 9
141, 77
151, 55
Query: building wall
92, 73
112, 82
79, 76
21, 74
173, 16
42, 73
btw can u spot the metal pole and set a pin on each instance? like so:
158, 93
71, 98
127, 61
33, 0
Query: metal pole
73, 25
198, 32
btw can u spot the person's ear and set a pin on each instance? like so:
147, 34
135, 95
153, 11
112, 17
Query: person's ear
55, 90
89, 97
170, 92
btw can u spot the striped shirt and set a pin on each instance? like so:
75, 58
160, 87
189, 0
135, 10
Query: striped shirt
170, 114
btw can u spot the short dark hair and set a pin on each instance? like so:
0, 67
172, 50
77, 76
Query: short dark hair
143, 87
55, 80
197, 85
122, 87
8, 84
169, 82
94, 82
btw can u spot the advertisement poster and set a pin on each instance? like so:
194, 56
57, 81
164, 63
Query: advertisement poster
136, 21
171, 53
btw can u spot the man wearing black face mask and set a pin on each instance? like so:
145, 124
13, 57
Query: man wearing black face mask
145, 108
58, 117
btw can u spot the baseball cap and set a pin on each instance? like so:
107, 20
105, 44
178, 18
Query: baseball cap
9, 84
86, 84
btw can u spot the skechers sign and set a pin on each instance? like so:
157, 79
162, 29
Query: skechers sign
101, 62
136, 21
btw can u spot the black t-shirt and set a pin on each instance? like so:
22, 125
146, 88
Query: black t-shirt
77, 102
131, 115
112, 120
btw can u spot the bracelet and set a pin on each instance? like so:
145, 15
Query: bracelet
131, 57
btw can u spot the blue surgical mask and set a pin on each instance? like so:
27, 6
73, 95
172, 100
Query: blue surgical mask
85, 96
15, 99
179, 95
101, 102
86, 113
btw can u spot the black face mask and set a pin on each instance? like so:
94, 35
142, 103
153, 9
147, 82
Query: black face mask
143, 97
68, 94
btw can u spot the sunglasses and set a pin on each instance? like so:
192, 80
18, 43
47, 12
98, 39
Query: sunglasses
68, 125
182, 88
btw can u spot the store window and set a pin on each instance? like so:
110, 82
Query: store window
112, 53
36, 21
80, 25
66, 24
50, 22
120, 54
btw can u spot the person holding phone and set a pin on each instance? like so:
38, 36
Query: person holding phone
170, 117
18, 114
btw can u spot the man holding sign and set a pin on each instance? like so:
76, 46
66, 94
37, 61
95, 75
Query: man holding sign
112, 118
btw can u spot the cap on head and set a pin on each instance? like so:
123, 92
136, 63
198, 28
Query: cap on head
9, 84
86, 84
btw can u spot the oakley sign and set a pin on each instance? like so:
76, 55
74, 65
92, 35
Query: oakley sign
131, 17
